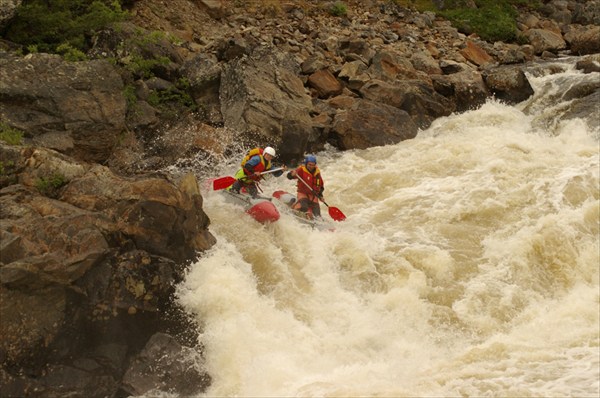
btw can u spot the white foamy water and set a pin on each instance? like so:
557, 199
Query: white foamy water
468, 266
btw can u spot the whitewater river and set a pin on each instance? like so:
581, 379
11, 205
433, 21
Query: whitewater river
468, 266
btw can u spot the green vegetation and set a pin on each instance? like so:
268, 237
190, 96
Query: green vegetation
45, 25
142, 67
8, 165
71, 54
177, 94
139, 53
492, 20
129, 94
339, 9
51, 185
10, 135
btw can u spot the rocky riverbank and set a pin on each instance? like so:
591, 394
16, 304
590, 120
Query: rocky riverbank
94, 233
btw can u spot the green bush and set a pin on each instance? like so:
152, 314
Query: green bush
10, 135
71, 54
174, 95
338, 9
51, 185
142, 67
48, 24
492, 22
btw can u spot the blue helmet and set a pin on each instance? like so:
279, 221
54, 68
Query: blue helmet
310, 159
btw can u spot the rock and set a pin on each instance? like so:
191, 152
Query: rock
75, 108
545, 40
73, 269
369, 124
476, 54
391, 66
587, 13
584, 40
325, 84
204, 75
165, 365
262, 97
466, 89
214, 8
417, 98
425, 62
508, 84
589, 65
354, 74
586, 108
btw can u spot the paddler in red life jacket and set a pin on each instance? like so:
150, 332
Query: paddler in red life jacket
256, 161
308, 196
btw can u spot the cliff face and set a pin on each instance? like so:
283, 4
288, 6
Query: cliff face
94, 235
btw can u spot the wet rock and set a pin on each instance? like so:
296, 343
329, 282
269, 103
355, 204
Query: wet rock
368, 124
165, 365
77, 108
508, 84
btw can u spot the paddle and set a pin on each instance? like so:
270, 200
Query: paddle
334, 212
224, 182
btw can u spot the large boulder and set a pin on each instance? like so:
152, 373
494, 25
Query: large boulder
204, 75
463, 86
368, 124
77, 108
262, 98
584, 40
545, 40
416, 97
508, 83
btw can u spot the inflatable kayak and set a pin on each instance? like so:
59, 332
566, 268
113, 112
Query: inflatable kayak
260, 208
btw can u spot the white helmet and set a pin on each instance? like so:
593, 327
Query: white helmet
270, 151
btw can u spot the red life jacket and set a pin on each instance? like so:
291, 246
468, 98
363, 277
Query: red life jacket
314, 180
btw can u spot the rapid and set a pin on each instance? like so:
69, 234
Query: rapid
468, 266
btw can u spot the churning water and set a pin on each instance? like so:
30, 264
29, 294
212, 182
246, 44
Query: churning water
468, 266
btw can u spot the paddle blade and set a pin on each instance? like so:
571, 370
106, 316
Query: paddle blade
222, 183
336, 214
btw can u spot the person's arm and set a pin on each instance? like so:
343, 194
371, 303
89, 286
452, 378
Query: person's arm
292, 174
251, 163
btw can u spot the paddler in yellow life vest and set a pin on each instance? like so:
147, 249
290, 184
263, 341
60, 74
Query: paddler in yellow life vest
257, 161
